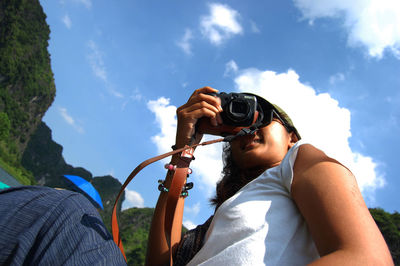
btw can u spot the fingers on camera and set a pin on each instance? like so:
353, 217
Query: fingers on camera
201, 104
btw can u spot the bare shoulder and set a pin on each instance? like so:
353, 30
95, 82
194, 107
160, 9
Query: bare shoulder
328, 197
312, 162
314, 171
308, 155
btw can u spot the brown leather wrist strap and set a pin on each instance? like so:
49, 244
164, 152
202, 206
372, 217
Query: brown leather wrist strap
171, 212
175, 190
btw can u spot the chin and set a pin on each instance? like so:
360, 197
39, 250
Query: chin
250, 163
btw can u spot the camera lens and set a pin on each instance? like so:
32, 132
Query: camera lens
238, 110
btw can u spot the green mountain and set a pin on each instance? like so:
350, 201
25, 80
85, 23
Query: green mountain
26, 81
135, 226
43, 158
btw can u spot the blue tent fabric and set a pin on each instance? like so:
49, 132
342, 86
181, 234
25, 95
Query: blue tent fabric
45, 226
3, 186
7, 179
86, 187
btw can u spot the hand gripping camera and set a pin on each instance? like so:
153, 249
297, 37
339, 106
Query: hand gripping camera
240, 110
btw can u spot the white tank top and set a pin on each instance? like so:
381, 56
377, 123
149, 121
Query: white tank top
260, 224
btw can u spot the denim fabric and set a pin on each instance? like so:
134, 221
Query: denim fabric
45, 226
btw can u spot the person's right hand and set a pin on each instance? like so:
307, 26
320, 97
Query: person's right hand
199, 105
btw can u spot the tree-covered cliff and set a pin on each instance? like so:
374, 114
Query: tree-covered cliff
135, 226
26, 80
43, 157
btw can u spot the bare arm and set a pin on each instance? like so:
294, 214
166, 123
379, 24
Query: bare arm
198, 105
328, 197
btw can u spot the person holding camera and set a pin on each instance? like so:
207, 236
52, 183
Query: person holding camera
280, 201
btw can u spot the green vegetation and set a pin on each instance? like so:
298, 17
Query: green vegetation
23, 176
26, 81
8, 154
5, 126
108, 187
134, 226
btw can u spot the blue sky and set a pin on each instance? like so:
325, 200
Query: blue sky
122, 68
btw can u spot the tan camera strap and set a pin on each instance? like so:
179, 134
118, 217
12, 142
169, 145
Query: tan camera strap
178, 181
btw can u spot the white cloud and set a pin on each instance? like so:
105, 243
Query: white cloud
336, 78
66, 116
374, 24
184, 43
67, 21
208, 164
71, 121
254, 27
96, 62
193, 210
114, 92
136, 95
318, 117
370, 179
166, 120
132, 199
230, 68
221, 24
189, 224
86, 3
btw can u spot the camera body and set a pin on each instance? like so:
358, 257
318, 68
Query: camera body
239, 111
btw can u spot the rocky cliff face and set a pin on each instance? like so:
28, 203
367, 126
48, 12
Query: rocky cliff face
27, 90
43, 157
26, 81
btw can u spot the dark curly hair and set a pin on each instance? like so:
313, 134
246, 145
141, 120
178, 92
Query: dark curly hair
233, 178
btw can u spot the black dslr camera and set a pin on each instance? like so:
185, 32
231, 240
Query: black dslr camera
239, 108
